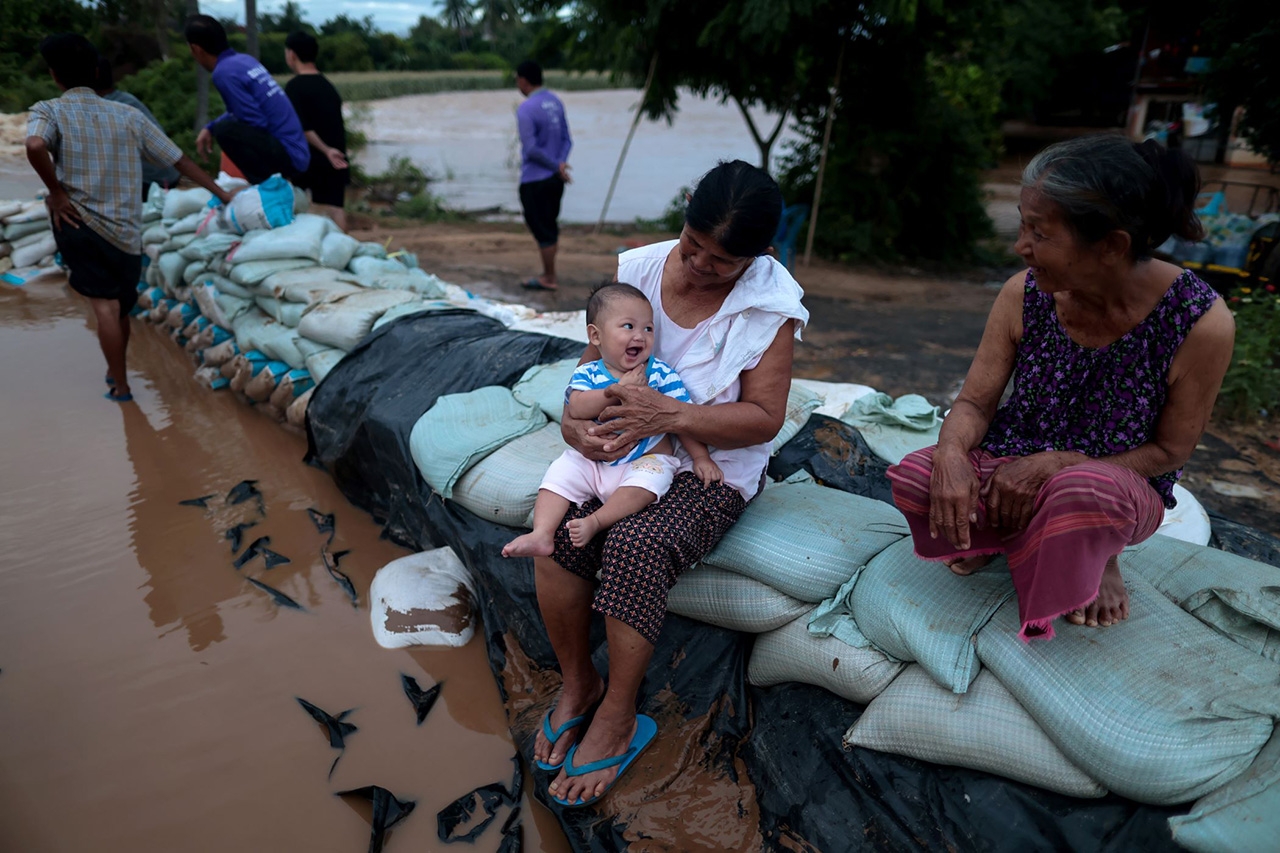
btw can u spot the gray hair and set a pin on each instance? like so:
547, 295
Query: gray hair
1105, 183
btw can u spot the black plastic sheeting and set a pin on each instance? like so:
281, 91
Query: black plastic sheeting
803, 788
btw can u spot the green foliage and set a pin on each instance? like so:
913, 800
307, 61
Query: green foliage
426, 207
169, 91
671, 221
1247, 72
401, 181
345, 51
1252, 383
19, 90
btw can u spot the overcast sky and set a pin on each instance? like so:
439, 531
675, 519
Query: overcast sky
395, 16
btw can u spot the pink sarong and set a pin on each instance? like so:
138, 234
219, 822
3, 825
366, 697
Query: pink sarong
1083, 516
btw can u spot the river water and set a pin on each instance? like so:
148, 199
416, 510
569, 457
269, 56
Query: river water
468, 141
147, 690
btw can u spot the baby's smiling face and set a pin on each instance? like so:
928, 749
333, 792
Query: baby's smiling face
623, 332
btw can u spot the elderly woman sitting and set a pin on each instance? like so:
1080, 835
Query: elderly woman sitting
1116, 360
725, 317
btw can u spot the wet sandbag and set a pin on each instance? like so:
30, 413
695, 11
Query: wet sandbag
729, 600
314, 284
296, 414
543, 385
221, 353
344, 322
193, 272
1236, 596
415, 307
209, 377
983, 729
1243, 816
425, 599
321, 362
301, 238
227, 286
807, 540
916, 610
791, 653
149, 297
208, 247
461, 429
171, 266
288, 313
182, 203
1160, 708
154, 235
38, 246
269, 204
801, 403
503, 486
292, 384
17, 230
161, 310
263, 383
337, 250
252, 273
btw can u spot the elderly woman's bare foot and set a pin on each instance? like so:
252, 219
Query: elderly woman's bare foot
1111, 605
572, 703
968, 565
535, 544
607, 736
583, 530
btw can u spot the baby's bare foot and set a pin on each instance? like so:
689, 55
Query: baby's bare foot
582, 530
533, 544
968, 565
1112, 604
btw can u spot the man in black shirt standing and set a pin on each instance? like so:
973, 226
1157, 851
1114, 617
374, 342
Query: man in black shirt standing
319, 107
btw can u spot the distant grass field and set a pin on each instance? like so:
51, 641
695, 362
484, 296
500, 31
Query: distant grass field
375, 85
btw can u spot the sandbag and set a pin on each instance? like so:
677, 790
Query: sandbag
40, 245
268, 205
461, 429
9, 208
292, 384
229, 287
424, 599
801, 403
731, 601
343, 322
791, 653
180, 315
148, 297
386, 274
503, 486
1243, 816
193, 271
983, 729
370, 250
153, 207
406, 308
288, 313
543, 385
180, 203
210, 378
313, 284
320, 363
171, 266
253, 272
296, 414
337, 250
301, 238
221, 353
559, 324
208, 247
1159, 707
17, 230
805, 539
265, 378
256, 331
187, 225
272, 412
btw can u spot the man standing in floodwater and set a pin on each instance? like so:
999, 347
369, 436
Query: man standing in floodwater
544, 150
88, 151
260, 131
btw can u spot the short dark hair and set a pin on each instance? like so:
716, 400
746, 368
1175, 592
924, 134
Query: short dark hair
530, 71
205, 32
106, 79
738, 206
608, 292
73, 60
304, 45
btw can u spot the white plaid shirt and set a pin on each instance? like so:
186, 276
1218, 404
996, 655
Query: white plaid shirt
96, 146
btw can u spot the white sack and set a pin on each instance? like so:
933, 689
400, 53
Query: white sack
424, 599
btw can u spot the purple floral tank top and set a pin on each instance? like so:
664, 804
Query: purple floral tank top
1098, 402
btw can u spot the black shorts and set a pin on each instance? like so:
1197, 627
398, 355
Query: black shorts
327, 184
257, 154
98, 268
540, 201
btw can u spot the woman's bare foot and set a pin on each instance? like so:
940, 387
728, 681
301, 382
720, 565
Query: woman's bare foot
568, 706
607, 736
968, 565
582, 531
1111, 605
535, 544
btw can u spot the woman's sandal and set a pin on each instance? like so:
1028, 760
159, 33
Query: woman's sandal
553, 736
118, 398
646, 730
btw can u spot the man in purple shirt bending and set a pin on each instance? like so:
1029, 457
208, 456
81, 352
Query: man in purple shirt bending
544, 148
260, 131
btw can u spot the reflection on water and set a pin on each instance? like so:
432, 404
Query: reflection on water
146, 689
468, 141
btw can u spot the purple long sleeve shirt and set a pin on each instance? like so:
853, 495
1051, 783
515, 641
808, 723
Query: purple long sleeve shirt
254, 97
544, 136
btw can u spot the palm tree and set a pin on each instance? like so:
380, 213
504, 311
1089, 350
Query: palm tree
457, 16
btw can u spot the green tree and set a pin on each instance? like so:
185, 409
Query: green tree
458, 16
1245, 38
290, 19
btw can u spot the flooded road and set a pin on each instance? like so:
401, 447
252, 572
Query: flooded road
147, 690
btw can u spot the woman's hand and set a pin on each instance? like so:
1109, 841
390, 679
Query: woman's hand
953, 497
640, 412
577, 434
1010, 492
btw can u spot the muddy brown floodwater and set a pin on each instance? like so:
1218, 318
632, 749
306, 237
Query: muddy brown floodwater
146, 688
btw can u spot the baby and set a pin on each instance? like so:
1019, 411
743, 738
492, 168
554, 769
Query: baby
620, 326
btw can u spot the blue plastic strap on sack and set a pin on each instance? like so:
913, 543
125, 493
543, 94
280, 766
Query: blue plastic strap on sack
277, 200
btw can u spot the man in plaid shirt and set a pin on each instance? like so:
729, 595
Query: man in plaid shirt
89, 152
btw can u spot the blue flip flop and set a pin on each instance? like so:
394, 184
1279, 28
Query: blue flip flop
554, 735
646, 731
118, 398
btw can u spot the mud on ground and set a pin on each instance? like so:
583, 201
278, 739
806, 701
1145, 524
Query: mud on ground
898, 331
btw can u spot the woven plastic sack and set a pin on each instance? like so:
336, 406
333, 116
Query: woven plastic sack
1236, 596
983, 729
302, 238
424, 599
807, 540
1243, 816
290, 386
227, 286
37, 247
461, 429
344, 322
267, 205
256, 331
543, 385
296, 414
729, 600
171, 266
386, 274
181, 203
319, 363
801, 402
370, 250
253, 272
337, 250
503, 486
289, 313
791, 653
209, 247
406, 308
264, 381
1160, 708
192, 272
17, 230
313, 284
916, 610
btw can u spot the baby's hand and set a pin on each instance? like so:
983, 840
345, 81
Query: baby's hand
638, 375
708, 472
